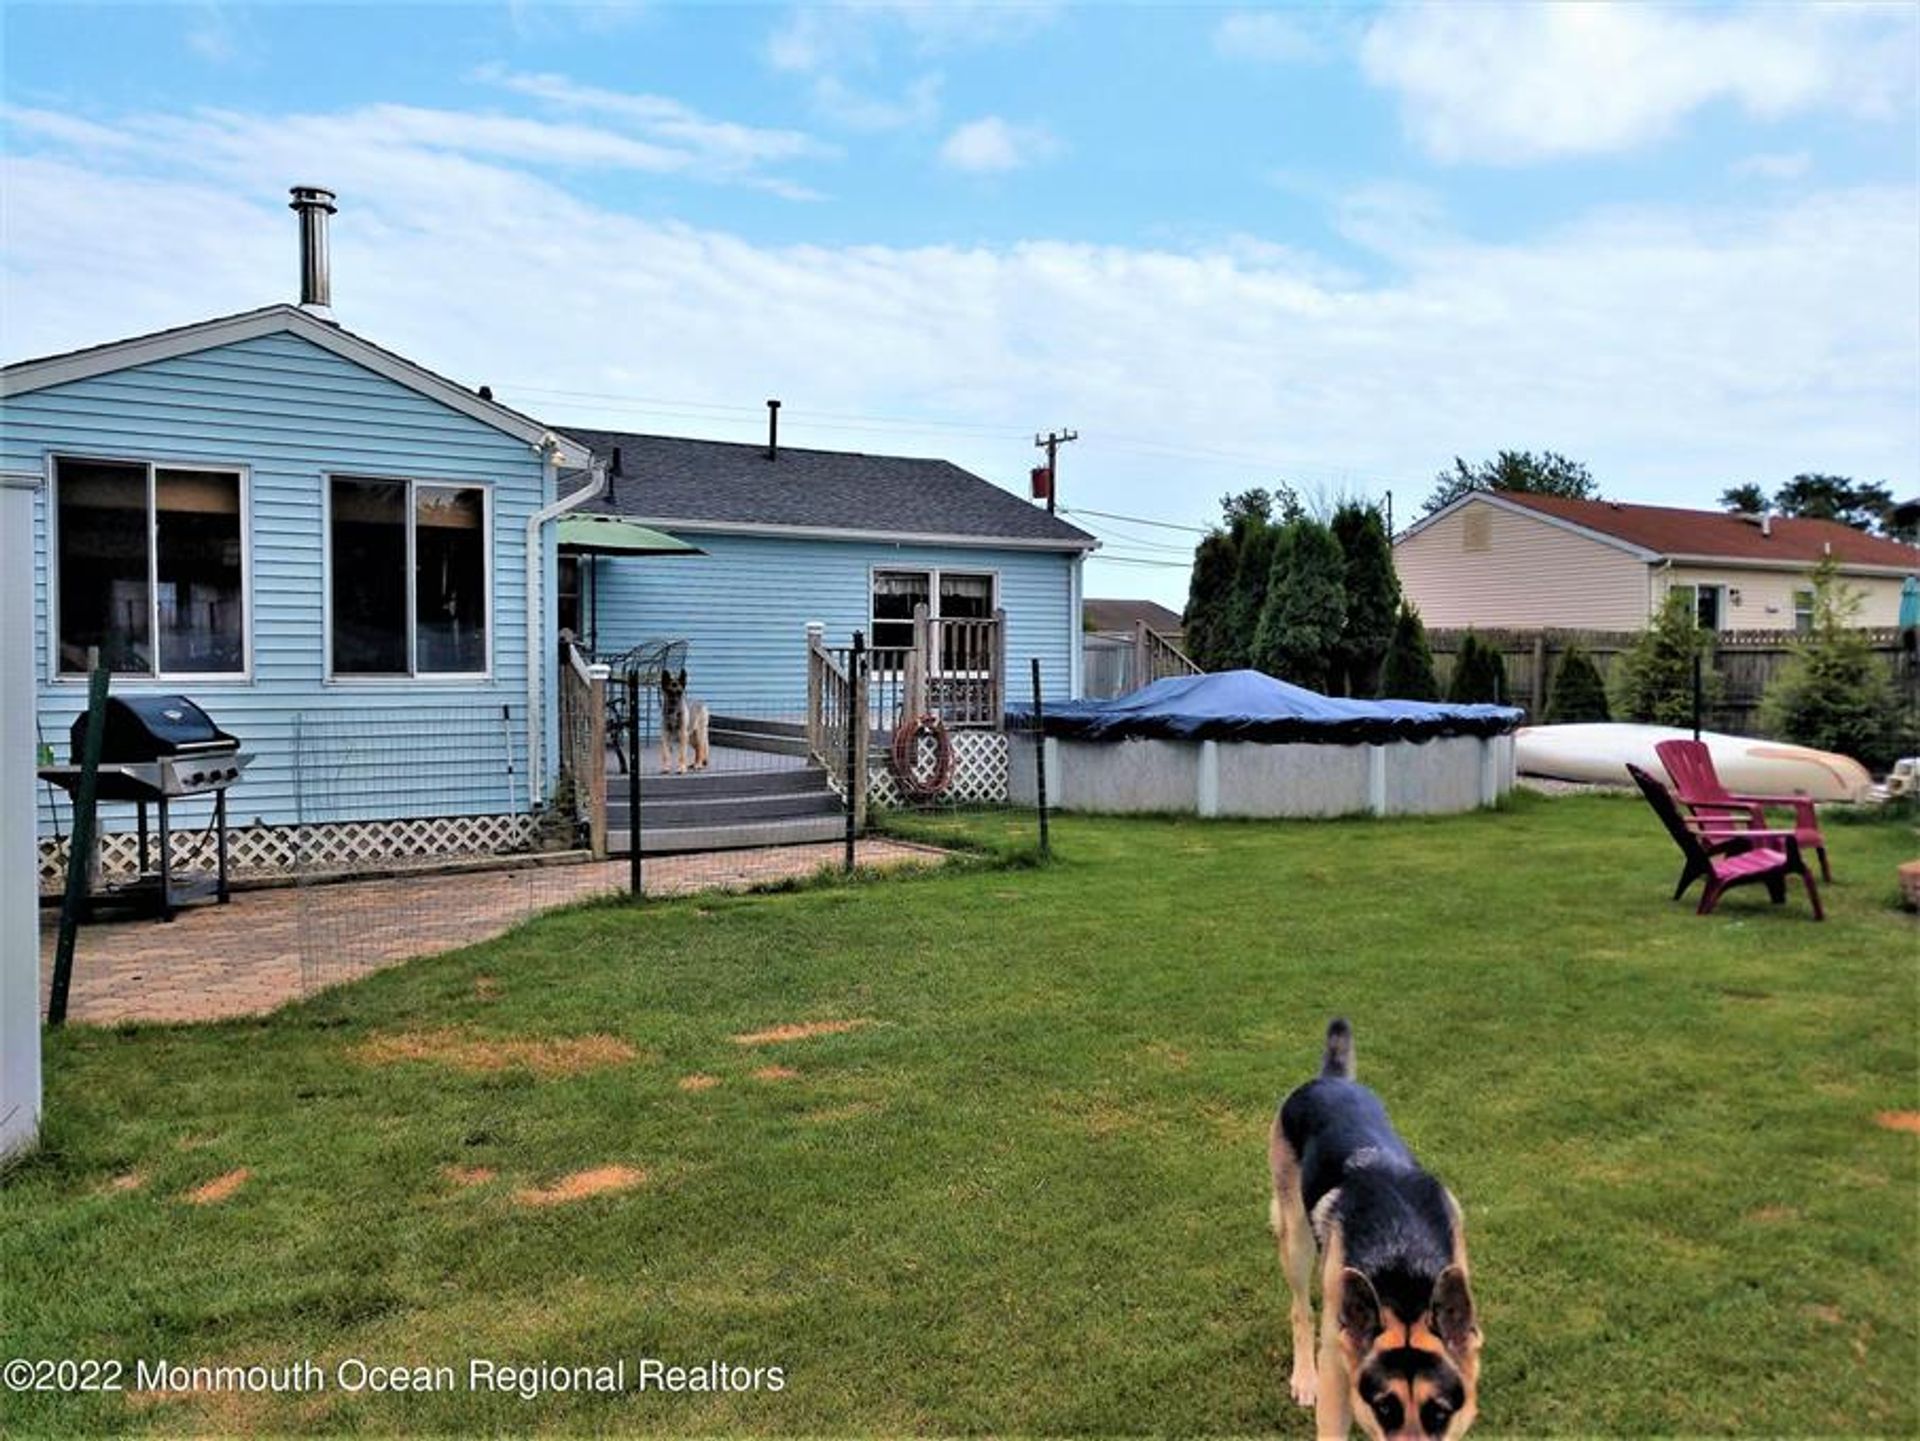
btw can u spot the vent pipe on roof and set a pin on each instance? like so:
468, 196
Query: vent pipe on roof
773, 430
1766, 523
313, 205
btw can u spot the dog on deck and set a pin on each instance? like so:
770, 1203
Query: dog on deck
1399, 1344
683, 723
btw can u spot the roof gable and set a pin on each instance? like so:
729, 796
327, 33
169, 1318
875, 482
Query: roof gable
27, 376
673, 481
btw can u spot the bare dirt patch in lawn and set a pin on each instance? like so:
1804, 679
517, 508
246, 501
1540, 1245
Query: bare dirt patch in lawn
697, 1082
218, 1189
598, 1181
469, 1175
1908, 1121
486, 988
126, 1181
477, 1055
776, 1073
1773, 1215
798, 1031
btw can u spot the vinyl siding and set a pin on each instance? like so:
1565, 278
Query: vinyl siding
290, 412
1531, 574
744, 608
1766, 596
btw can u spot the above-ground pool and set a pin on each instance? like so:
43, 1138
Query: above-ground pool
1241, 743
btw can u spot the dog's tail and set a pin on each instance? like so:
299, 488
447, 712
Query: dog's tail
1339, 1058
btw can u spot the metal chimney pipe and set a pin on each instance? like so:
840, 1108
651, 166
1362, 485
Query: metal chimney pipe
773, 430
313, 205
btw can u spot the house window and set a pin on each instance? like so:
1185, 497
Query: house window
150, 568
1707, 602
409, 577
1803, 611
1476, 528
947, 595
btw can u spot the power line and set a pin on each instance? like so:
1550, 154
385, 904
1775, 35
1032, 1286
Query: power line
1135, 519
1051, 443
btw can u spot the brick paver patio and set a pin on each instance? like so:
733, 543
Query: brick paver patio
216, 962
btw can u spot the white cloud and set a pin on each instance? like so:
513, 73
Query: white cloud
1774, 165
220, 34
1669, 349
990, 144
1517, 83
917, 105
838, 37
1283, 37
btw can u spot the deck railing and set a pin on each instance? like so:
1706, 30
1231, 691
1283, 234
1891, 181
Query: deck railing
1156, 658
838, 715
583, 741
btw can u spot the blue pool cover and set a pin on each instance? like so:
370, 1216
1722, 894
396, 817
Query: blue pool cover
1249, 705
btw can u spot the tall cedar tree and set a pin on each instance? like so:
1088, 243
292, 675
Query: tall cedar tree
1252, 570
1479, 674
1834, 693
1578, 694
1373, 598
1407, 673
1653, 679
1299, 635
1210, 600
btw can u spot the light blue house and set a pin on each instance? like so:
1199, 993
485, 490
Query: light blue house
352, 564
847, 541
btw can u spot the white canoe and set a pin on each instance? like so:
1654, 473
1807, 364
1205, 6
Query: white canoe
1746, 765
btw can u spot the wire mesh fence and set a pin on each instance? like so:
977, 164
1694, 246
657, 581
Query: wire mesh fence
417, 830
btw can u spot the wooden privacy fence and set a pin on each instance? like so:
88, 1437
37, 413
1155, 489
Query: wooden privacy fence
1748, 660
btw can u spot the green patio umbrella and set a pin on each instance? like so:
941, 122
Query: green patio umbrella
613, 535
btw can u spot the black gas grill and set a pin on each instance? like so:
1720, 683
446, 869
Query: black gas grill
157, 749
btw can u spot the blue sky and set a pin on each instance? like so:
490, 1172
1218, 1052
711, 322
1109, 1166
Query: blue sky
1230, 245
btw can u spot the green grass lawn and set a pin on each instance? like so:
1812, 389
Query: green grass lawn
1030, 1195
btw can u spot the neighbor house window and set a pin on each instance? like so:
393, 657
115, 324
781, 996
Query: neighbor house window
150, 569
1803, 610
947, 595
1707, 602
409, 577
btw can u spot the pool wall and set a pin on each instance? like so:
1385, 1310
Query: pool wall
1255, 779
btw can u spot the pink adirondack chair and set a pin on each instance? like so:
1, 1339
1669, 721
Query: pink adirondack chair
1725, 858
1696, 785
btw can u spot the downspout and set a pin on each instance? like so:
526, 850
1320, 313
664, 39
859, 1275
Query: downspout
537, 658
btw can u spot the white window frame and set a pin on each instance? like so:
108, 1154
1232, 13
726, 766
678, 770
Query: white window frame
1809, 612
156, 676
413, 675
1693, 589
933, 574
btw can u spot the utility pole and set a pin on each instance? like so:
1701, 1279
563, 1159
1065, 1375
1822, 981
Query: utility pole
1051, 443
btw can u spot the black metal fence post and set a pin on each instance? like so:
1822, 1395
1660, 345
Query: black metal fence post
635, 884
80, 847
855, 717
1040, 758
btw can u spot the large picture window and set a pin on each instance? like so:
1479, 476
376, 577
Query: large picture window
150, 568
409, 577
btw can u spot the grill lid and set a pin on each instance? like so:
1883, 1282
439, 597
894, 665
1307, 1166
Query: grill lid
152, 727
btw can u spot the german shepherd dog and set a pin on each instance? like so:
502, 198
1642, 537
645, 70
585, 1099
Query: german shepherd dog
1399, 1345
683, 723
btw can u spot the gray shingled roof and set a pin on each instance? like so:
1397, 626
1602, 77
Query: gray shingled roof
668, 478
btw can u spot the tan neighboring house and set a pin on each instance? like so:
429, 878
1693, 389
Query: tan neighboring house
1519, 561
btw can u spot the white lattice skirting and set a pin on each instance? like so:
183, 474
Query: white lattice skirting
979, 773
331, 848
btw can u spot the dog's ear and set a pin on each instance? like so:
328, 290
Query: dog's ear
1359, 1310
683, 675
1452, 1315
